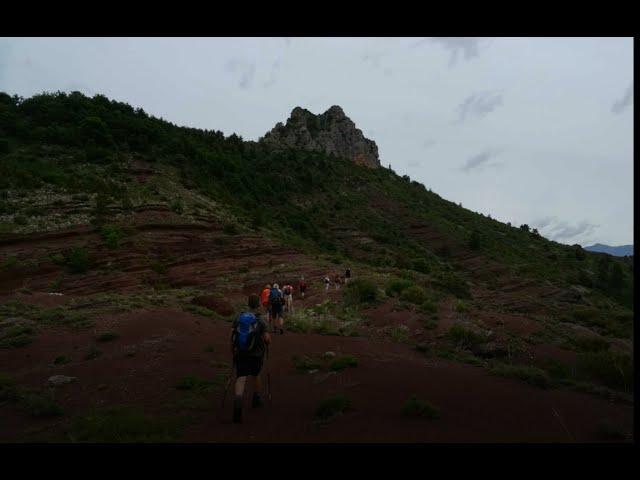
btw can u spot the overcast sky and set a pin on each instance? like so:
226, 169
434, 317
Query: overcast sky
528, 130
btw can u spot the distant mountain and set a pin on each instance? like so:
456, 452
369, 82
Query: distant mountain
620, 251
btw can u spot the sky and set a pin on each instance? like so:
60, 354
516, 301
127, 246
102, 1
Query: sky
528, 130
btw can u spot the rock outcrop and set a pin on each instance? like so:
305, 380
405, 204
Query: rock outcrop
331, 132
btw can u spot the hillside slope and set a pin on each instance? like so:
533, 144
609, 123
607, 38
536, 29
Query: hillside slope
115, 221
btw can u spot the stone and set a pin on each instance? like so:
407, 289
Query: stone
58, 380
331, 132
489, 350
329, 354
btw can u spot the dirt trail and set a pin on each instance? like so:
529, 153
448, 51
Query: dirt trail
170, 344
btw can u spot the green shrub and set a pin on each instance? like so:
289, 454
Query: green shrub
40, 404
123, 425
230, 229
78, 260
608, 430
614, 369
400, 333
342, 362
16, 336
61, 360
532, 375
428, 306
176, 206
421, 265
360, 291
108, 336
452, 283
93, 353
414, 407
334, 405
396, 286
111, 234
414, 294
305, 363
590, 344
465, 337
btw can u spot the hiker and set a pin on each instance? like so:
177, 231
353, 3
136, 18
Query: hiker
347, 275
338, 281
287, 291
302, 286
264, 300
249, 341
327, 282
276, 300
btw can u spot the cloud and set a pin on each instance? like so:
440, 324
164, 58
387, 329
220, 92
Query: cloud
467, 47
246, 70
275, 67
543, 222
626, 100
373, 58
429, 143
480, 160
563, 231
479, 105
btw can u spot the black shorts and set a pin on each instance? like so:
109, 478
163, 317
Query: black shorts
303, 288
276, 309
248, 365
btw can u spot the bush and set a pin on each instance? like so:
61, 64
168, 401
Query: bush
396, 286
342, 362
111, 234
305, 363
61, 360
360, 291
419, 408
532, 375
614, 369
452, 283
414, 294
78, 260
334, 405
40, 404
108, 336
421, 265
176, 206
121, 424
464, 337
93, 353
590, 344
230, 229
428, 306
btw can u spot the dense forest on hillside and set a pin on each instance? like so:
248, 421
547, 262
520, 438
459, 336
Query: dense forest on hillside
318, 203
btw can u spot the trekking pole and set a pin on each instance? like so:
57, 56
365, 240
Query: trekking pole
268, 377
226, 388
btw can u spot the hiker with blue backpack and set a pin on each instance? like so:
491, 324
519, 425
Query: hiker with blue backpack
276, 302
249, 342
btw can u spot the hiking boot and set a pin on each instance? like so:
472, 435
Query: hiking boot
256, 401
237, 409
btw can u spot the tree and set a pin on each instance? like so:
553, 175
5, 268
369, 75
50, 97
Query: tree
616, 278
524, 227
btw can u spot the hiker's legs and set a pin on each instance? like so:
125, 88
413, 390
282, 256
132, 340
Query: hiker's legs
240, 384
257, 384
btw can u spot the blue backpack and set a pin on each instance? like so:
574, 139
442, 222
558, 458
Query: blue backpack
244, 335
275, 297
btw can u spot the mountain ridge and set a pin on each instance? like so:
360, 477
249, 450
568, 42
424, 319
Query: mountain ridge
617, 251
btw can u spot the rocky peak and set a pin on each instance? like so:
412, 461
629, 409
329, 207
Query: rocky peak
331, 132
